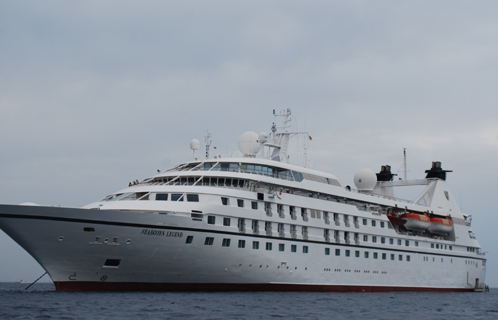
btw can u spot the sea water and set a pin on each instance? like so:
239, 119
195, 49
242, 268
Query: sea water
41, 301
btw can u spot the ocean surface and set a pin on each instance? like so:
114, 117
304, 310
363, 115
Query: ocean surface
41, 301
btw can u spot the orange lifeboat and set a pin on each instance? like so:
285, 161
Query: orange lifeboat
441, 225
415, 221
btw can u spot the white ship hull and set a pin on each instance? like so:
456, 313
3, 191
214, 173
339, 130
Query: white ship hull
157, 257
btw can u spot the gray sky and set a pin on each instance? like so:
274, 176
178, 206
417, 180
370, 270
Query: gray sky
95, 94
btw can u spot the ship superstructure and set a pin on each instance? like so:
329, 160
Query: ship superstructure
257, 223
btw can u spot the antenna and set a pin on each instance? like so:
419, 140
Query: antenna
404, 164
208, 144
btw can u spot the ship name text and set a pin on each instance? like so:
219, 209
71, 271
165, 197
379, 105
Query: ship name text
161, 233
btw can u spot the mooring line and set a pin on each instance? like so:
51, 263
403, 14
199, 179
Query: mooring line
36, 280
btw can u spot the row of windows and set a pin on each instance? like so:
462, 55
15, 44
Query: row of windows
242, 244
434, 259
366, 254
305, 213
202, 181
442, 246
268, 171
226, 242
146, 196
281, 247
304, 232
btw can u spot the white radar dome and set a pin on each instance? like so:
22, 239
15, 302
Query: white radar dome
365, 179
195, 144
262, 138
248, 143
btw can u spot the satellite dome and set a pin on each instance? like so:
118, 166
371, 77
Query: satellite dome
248, 143
365, 179
262, 138
195, 144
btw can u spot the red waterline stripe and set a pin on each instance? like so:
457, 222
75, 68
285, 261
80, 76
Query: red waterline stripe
149, 286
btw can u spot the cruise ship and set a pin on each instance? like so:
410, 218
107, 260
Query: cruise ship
257, 223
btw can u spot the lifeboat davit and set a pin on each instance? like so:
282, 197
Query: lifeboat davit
415, 221
441, 225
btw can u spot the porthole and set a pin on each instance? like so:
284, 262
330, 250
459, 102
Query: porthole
128, 241
447, 195
61, 238
106, 240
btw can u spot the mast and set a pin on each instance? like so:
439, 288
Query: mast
208, 144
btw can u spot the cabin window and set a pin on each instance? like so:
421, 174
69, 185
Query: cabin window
305, 233
224, 201
384, 256
211, 219
226, 222
366, 254
357, 254
225, 243
451, 247
392, 256
337, 252
407, 243
364, 222
374, 239
242, 243
326, 234
176, 197
305, 249
389, 225
399, 242
292, 211
432, 246
348, 252
408, 258
268, 228
382, 224
254, 205
373, 223
261, 196
327, 251
400, 257
281, 230
162, 196
268, 246
242, 225
240, 203
234, 167
382, 240
293, 248
375, 255
268, 209
281, 247
293, 231
192, 197
304, 214
209, 241
189, 239
255, 226
365, 238
416, 243
391, 241
437, 245
255, 245
280, 210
